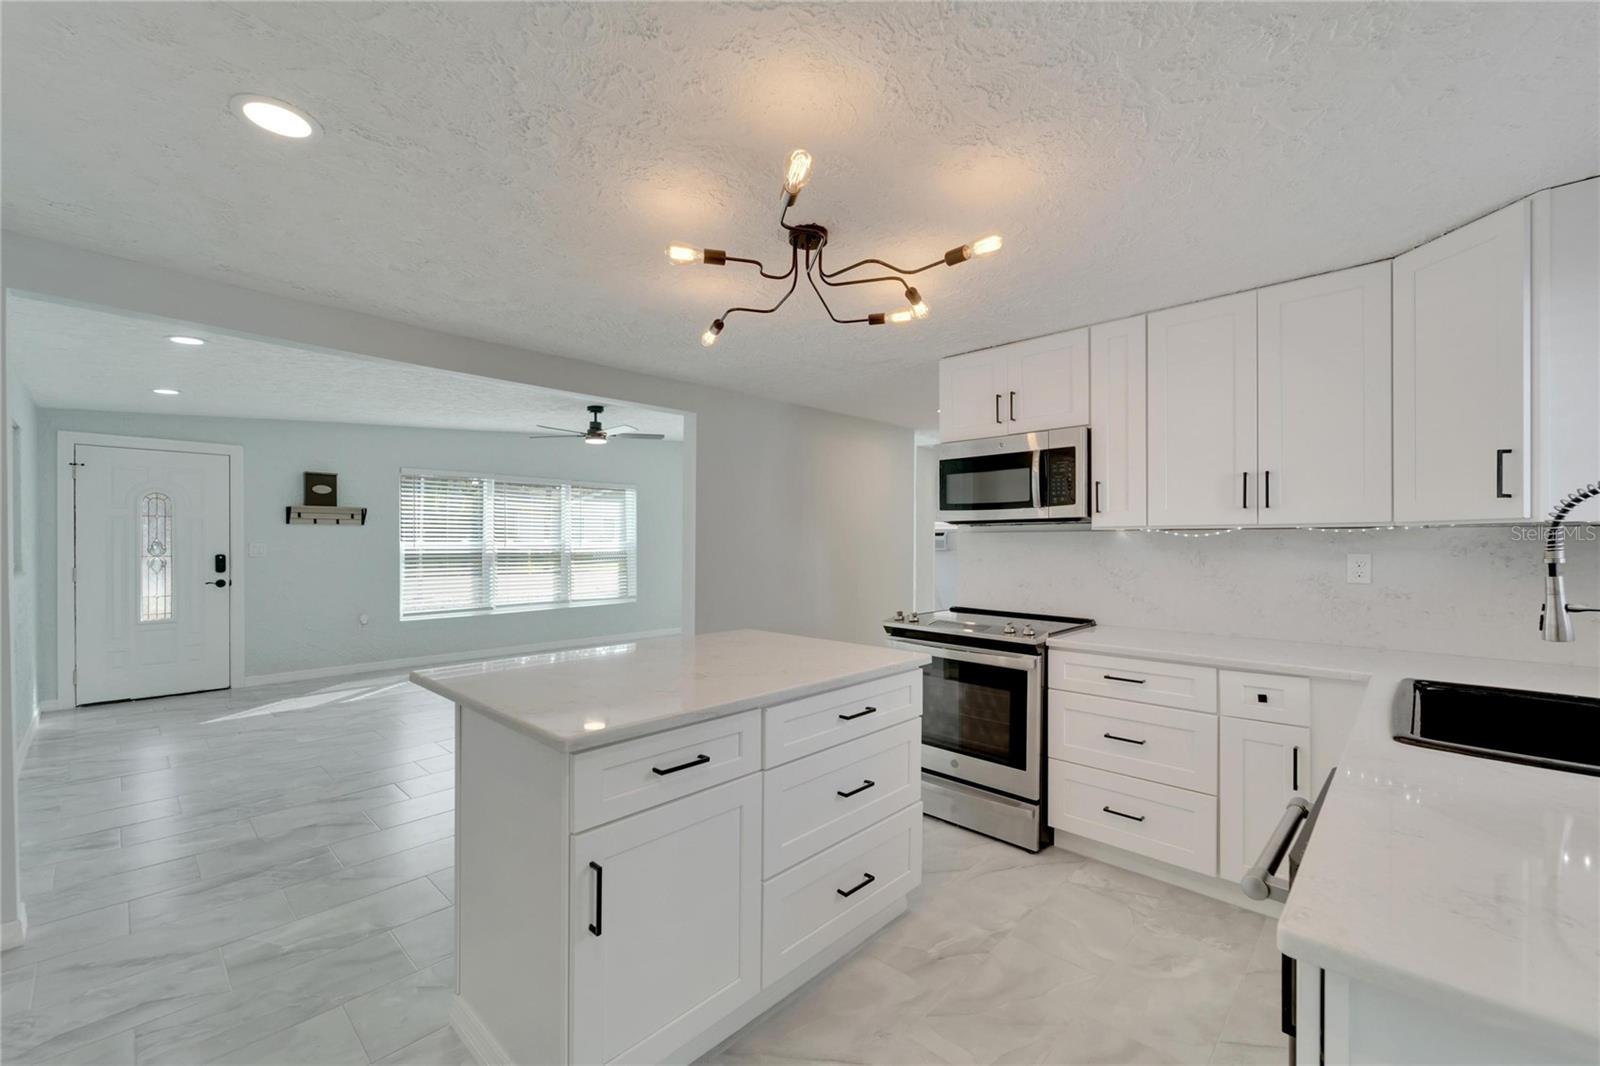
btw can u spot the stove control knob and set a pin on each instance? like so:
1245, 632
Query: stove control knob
911, 616
899, 616
1027, 631
1009, 630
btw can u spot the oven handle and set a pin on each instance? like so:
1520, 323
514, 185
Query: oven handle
1017, 661
1259, 882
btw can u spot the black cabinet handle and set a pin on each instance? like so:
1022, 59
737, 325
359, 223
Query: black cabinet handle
1500, 492
599, 896
1244, 492
1124, 680
1125, 740
1286, 994
1266, 488
858, 714
1013, 407
1119, 814
858, 790
866, 879
997, 408
698, 760
1296, 764
1097, 508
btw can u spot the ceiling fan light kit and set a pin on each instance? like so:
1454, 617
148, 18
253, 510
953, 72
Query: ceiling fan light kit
808, 239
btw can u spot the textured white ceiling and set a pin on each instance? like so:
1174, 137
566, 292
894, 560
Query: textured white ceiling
513, 171
91, 359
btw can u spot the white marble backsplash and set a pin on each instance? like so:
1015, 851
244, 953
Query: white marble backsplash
1462, 591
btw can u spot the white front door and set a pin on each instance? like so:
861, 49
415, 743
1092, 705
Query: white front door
152, 575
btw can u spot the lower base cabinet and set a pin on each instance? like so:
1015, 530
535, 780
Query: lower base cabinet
666, 923
1171, 824
1263, 765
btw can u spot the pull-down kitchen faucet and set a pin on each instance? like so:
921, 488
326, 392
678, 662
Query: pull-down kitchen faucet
1555, 622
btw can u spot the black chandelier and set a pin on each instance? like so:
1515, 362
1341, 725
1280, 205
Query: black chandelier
809, 239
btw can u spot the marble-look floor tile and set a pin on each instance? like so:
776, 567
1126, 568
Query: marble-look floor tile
412, 809
334, 811
402, 837
445, 881
325, 1040
105, 863
16, 988
51, 939
56, 904
114, 1050
429, 938
354, 882
52, 850
56, 828
442, 1047
1226, 1054
428, 784
177, 904
399, 1014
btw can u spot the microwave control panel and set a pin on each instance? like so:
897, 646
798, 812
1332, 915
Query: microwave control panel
1060, 476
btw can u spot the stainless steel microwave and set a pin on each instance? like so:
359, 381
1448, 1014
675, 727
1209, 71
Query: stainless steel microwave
1026, 477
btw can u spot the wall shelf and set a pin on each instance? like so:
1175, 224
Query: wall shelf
308, 515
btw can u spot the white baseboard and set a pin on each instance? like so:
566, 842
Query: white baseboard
473, 1033
1215, 887
348, 669
12, 934
27, 738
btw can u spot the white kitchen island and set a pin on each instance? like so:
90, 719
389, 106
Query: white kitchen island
657, 841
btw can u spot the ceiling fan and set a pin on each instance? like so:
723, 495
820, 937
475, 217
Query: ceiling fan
596, 433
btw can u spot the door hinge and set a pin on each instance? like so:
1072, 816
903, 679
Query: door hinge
74, 575
74, 677
75, 465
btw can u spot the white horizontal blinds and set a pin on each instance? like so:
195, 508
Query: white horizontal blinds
478, 543
527, 544
602, 552
442, 544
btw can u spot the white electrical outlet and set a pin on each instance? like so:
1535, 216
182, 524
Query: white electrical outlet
257, 549
1358, 569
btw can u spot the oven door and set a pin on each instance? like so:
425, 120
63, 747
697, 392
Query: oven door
982, 717
993, 480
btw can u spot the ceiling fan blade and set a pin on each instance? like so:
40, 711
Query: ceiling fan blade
624, 428
614, 435
559, 429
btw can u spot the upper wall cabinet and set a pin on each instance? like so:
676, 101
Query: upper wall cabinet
1566, 340
1202, 413
1117, 424
1016, 388
1462, 374
1323, 402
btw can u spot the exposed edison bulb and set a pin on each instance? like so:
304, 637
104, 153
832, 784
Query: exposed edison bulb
986, 245
682, 253
902, 315
919, 307
799, 171
709, 337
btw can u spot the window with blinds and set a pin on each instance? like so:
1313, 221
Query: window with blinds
471, 543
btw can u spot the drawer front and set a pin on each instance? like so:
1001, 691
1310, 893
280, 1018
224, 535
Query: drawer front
1189, 688
804, 727
1265, 697
1166, 823
1142, 740
805, 909
616, 781
815, 802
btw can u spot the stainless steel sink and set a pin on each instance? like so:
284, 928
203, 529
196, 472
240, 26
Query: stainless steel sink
1538, 728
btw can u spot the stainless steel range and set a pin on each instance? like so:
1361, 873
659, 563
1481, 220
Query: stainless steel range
983, 716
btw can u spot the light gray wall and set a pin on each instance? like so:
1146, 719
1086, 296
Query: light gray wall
802, 518
304, 596
1466, 590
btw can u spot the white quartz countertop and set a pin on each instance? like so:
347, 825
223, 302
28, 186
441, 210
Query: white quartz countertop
1472, 883
589, 697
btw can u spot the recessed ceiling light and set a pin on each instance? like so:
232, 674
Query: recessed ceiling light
274, 116
192, 341
165, 392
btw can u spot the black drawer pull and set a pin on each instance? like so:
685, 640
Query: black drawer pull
1125, 740
857, 791
1124, 680
1500, 492
599, 896
867, 879
1119, 814
698, 760
858, 714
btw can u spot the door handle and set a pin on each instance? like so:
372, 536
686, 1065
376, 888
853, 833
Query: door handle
997, 408
1500, 492
858, 714
1266, 488
1119, 814
1013, 407
1244, 492
867, 879
857, 790
1124, 680
1295, 764
599, 896
220, 582
1097, 508
698, 760
1125, 740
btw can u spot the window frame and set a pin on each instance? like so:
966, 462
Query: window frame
489, 554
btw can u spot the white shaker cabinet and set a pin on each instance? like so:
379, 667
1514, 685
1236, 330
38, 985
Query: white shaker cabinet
1323, 406
1462, 374
666, 923
1117, 424
1202, 413
1261, 765
1023, 387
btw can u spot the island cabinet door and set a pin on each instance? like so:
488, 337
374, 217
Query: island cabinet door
665, 923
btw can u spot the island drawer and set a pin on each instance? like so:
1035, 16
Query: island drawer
1144, 740
613, 782
1166, 823
1189, 688
806, 726
815, 802
810, 906
1265, 697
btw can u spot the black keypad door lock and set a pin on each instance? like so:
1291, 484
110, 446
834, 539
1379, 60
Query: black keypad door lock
220, 563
